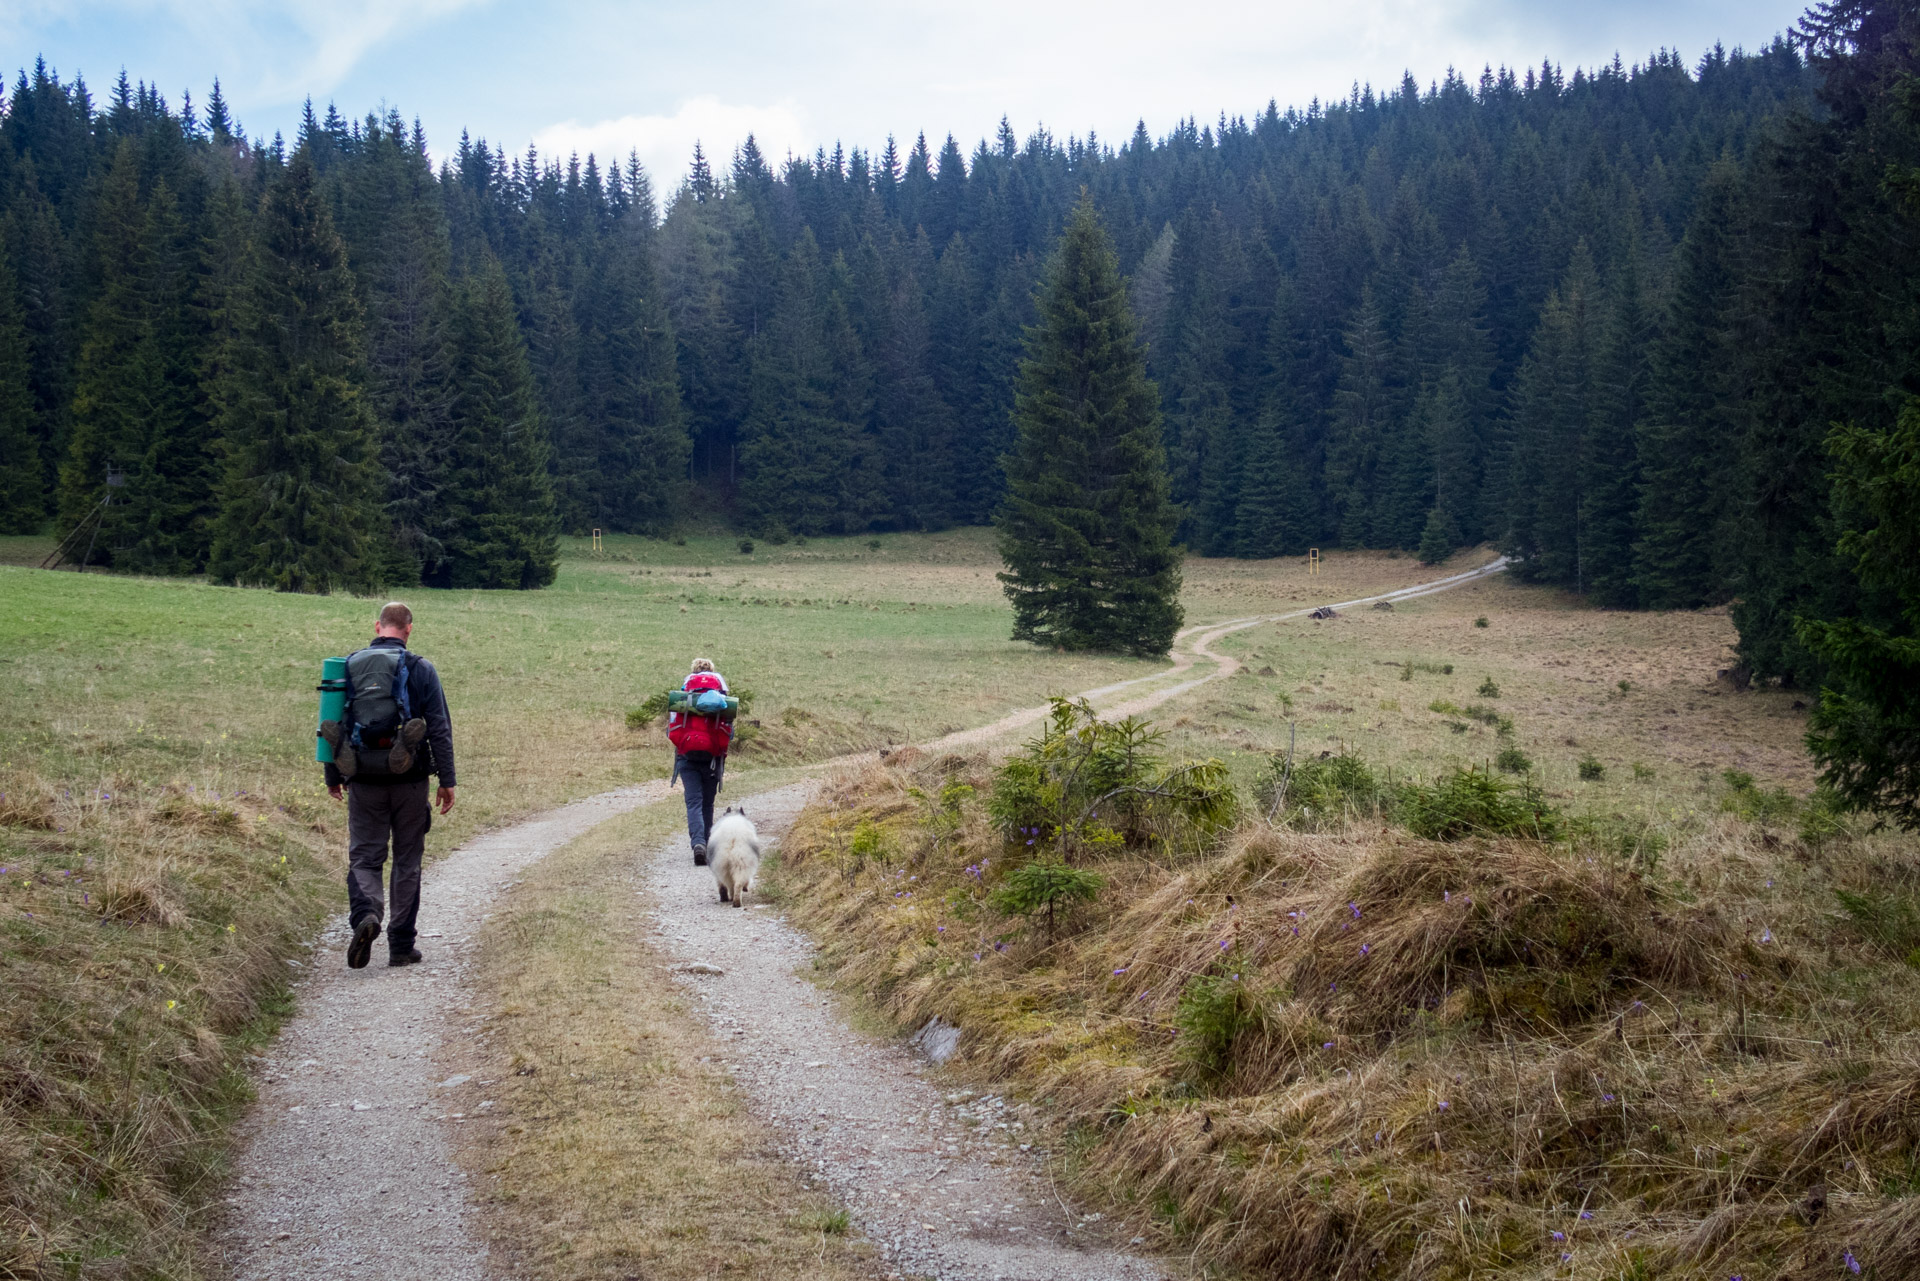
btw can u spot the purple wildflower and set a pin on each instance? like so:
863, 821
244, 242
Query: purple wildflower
1444, 1105
1225, 944
1121, 970
1365, 948
1586, 1214
1559, 1236
1853, 1264
1606, 1098
1327, 1046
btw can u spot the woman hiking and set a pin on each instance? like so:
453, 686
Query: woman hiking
699, 756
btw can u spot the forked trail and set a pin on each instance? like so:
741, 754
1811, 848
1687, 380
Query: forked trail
347, 1160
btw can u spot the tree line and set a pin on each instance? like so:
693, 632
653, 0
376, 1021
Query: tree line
1604, 320
1352, 311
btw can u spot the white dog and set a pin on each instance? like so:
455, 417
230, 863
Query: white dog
733, 852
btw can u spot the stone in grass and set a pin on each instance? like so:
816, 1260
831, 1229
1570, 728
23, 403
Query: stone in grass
938, 1039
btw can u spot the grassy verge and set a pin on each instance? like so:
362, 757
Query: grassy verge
618, 1146
1679, 1041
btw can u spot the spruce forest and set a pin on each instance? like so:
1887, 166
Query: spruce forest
1606, 320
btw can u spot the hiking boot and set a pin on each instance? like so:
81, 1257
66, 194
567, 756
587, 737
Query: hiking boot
344, 761
700, 854
362, 946
400, 759
409, 957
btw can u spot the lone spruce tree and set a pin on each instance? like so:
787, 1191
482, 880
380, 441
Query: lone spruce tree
1087, 526
299, 508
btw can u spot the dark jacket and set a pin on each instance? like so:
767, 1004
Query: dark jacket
429, 702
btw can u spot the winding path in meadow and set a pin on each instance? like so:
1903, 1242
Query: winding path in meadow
347, 1160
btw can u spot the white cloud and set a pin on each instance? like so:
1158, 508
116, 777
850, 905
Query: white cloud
275, 52
665, 142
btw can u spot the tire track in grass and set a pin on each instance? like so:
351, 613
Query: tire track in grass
347, 1158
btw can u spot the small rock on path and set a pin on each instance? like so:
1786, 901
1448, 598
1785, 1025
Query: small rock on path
943, 1188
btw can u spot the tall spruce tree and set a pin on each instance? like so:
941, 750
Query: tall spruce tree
494, 513
300, 501
1866, 731
22, 509
1687, 439
1610, 460
1087, 527
1553, 405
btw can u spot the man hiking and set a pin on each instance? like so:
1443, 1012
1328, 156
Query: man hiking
395, 732
699, 756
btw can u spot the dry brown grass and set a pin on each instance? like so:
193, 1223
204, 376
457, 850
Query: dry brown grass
1420, 1059
619, 1147
144, 935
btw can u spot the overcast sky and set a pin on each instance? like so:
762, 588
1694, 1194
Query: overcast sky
614, 75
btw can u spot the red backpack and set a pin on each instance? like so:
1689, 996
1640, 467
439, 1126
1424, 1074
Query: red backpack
691, 733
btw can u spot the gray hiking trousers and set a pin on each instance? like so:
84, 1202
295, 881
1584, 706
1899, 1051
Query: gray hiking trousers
375, 813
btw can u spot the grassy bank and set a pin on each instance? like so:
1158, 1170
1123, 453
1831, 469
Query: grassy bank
156, 765
1679, 1040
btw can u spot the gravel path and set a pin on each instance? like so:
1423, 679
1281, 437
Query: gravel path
946, 1184
346, 1161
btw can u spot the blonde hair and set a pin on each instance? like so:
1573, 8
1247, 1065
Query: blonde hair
703, 664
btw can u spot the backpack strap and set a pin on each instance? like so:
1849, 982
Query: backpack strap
400, 695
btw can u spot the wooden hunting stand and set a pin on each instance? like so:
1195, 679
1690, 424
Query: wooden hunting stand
1313, 560
89, 525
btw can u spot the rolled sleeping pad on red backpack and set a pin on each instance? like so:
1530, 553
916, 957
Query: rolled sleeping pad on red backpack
703, 702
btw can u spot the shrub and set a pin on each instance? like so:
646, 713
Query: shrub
1467, 802
1084, 780
1823, 818
1642, 772
746, 547
679, 540
649, 711
1488, 688
1591, 769
1052, 888
1889, 919
1213, 1012
1480, 621
1754, 803
1512, 760
868, 843
873, 544
1326, 791
1634, 841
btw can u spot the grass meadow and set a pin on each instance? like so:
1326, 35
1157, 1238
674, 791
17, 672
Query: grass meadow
168, 850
